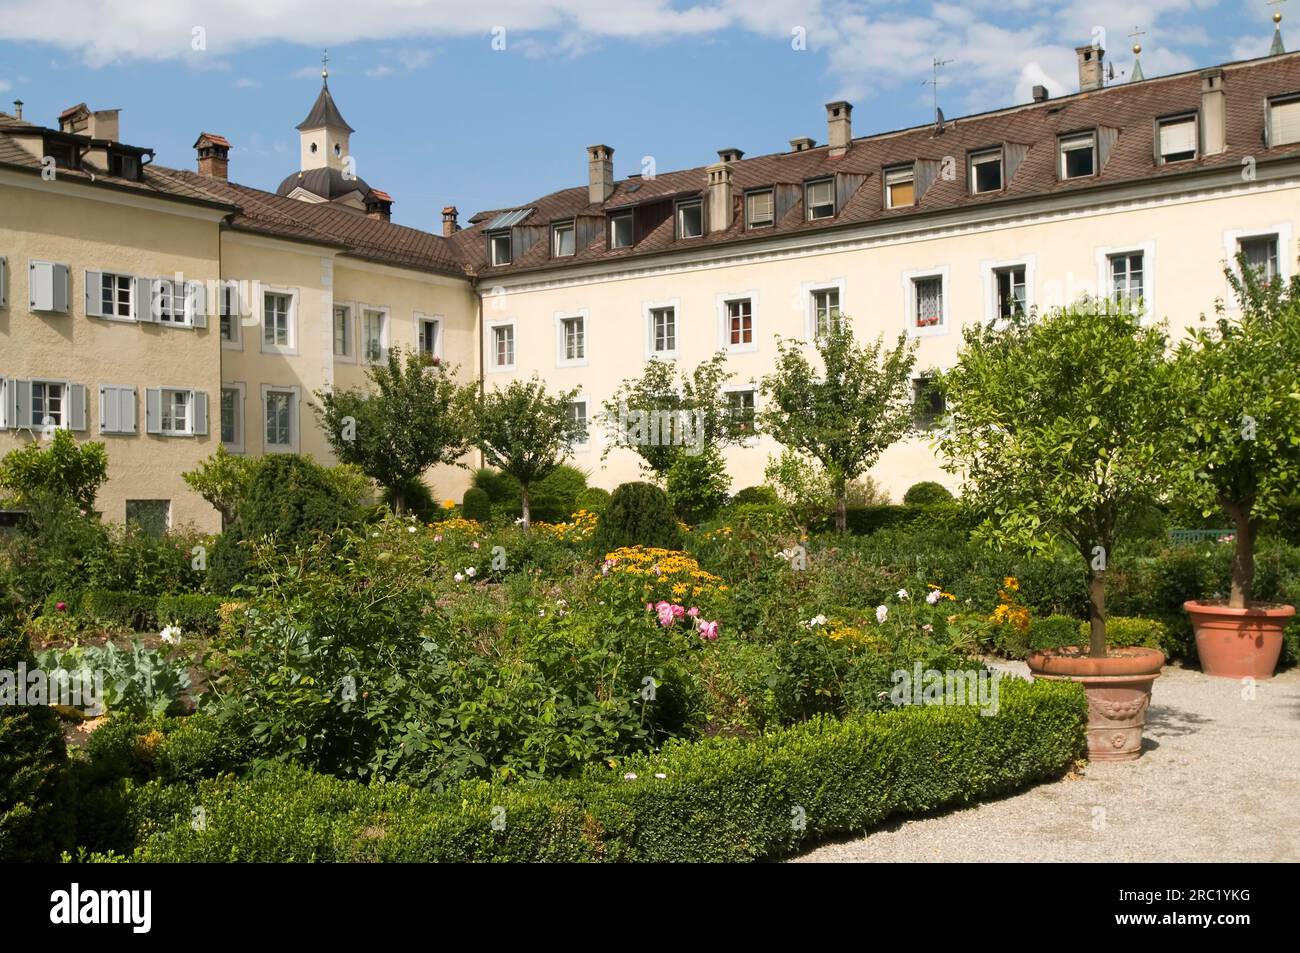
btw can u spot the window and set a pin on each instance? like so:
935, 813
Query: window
499, 248
277, 311
900, 187
176, 419
759, 210
986, 171
152, 516
740, 322
114, 295
690, 219
374, 335
1284, 121
573, 343
116, 409
826, 310
343, 331
740, 410
620, 230
928, 298
1078, 156
49, 404
1126, 277
819, 198
503, 346
562, 239
170, 300
232, 417
1177, 139
1261, 255
49, 287
123, 165
578, 414
1010, 285
928, 406
231, 313
280, 407
426, 336
663, 330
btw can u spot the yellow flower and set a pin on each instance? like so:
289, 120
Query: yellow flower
448, 504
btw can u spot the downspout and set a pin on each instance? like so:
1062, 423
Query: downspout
482, 369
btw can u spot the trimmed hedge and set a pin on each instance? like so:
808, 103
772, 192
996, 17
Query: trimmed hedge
865, 520
927, 492
476, 505
134, 610
1057, 631
195, 613
719, 800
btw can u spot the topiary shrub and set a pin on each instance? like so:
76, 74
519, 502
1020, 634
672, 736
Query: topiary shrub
1054, 632
756, 495
593, 499
36, 821
638, 514
499, 487
697, 484
1127, 630
554, 498
194, 613
476, 505
927, 491
132, 610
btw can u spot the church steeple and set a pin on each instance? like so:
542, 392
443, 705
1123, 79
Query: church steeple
323, 135
1277, 49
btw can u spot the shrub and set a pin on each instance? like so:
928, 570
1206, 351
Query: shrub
1126, 630
927, 491
638, 514
477, 505
697, 484
593, 499
416, 498
193, 612
553, 499
35, 803
130, 610
1054, 632
136, 680
762, 495
499, 487
720, 800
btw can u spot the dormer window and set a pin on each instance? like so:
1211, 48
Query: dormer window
1177, 138
900, 187
63, 154
1078, 156
819, 199
562, 239
620, 230
986, 171
690, 219
124, 165
499, 248
759, 209
1284, 121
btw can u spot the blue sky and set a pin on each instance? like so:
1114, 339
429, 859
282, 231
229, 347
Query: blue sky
444, 116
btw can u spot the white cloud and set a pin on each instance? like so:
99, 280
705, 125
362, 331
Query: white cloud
4, 86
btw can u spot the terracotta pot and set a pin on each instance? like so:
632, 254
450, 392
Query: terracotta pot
1238, 643
1118, 689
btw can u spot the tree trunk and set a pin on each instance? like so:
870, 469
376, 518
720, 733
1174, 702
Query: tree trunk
527, 505
1243, 558
399, 502
1096, 613
841, 508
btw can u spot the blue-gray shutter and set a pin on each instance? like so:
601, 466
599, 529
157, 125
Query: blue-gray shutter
199, 400
196, 303
142, 290
4, 282
11, 402
62, 289
94, 294
1106, 137
109, 416
22, 403
153, 410
76, 406
126, 408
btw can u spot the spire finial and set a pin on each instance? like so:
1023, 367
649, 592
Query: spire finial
1137, 76
1278, 47
325, 68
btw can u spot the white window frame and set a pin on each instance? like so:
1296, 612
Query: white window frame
65, 399
807, 292
1061, 150
241, 414
493, 260
561, 358
165, 392
615, 217
489, 345
126, 504
771, 201
983, 157
352, 334
1164, 121
583, 446
385, 332
910, 278
129, 317
295, 411
648, 308
740, 388
677, 217
270, 348
1292, 99
724, 321
1147, 250
807, 199
556, 228
226, 289
1285, 255
989, 270
419, 319
897, 175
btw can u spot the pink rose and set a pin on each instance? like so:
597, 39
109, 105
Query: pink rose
665, 612
678, 611
693, 611
62, 606
708, 631
649, 607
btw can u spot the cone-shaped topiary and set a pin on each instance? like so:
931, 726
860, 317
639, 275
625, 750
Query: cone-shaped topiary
476, 505
638, 514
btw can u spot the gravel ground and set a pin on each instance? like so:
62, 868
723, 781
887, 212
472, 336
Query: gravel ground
1218, 780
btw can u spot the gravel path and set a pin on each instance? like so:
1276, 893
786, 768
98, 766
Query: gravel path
1218, 780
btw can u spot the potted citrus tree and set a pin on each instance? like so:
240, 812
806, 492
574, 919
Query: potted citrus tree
1055, 431
1239, 380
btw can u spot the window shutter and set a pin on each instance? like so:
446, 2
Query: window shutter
199, 401
62, 288
4, 282
40, 286
1177, 136
94, 294
153, 410
20, 403
142, 299
196, 304
1284, 123
109, 421
76, 406
126, 409
7, 412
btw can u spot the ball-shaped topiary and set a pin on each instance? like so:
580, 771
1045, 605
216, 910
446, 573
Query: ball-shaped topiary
593, 499
639, 514
755, 495
927, 492
476, 505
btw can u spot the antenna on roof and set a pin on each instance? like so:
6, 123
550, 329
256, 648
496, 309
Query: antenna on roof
935, 83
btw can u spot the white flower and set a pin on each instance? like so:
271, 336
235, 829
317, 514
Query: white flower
661, 776
471, 572
541, 613
475, 545
820, 619
933, 596
902, 593
410, 529
459, 578
629, 776
374, 535
171, 635
882, 613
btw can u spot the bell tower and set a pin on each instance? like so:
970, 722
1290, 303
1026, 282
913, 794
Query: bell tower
323, 135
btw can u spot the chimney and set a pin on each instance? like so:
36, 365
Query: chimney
104, 124
214, 155
379, 206
1040, 94
1090, 67
730, 155
449, 224
1214, 115
18, 109
839, 127
720, 203
802, 144
600, 173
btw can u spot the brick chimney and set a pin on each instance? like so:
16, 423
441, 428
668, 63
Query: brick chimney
1091, 75
214, 155
839, 127
449, 224
720, 204
1214, 115
600, 173
379, 206
802, 144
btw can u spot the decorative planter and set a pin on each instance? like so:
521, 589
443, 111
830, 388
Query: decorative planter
1118, 689
1238, 643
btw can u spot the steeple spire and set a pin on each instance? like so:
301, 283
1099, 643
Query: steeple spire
1136, 76
325, 68
1277, 49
